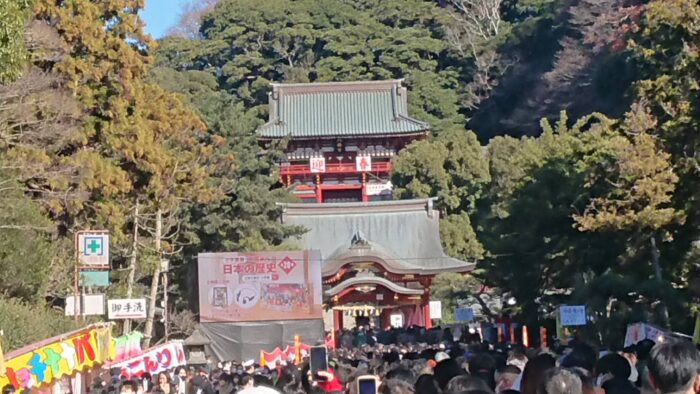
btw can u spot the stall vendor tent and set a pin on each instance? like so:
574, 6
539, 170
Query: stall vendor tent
44, 363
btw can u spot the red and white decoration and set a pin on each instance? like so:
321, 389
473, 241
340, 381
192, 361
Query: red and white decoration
363, 163
153, 361
317, 164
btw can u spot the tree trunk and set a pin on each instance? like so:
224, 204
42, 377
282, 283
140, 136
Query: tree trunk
656, 260
148, 331
132, 264
656, 256
165, 305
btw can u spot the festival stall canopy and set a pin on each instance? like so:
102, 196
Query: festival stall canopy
43, 363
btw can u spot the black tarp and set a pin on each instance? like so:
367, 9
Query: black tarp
244, 341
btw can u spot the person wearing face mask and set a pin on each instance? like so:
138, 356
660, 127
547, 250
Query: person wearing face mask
181, 380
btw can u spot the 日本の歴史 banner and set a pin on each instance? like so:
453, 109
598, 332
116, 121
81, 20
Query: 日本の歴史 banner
259, 286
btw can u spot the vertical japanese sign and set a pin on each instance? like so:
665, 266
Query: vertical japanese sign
435, 309
363, 163
93, 249
259, 286
317, 164
134, 308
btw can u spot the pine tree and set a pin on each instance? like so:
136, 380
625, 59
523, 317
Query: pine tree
139, 143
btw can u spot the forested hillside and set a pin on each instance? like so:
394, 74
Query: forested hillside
564, 143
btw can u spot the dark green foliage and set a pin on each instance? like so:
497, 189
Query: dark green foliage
24, 323
246, 44
29, 251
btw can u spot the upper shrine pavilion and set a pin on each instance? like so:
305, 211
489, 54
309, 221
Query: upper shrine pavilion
379, 255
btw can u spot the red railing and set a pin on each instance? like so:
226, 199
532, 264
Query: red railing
333, 168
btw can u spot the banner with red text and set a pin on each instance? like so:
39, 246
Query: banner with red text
154, 360
259, 286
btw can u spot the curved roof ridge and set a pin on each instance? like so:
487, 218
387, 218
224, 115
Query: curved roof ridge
421, 204
363, 84
375, 280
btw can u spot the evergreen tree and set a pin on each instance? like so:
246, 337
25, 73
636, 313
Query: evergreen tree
246, 48
14, 15
453, 168
666, 47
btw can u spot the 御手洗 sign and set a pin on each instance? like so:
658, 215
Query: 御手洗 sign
93, 249
572, 315
133, 308
464, 314
435, 309
317, 164
363, 163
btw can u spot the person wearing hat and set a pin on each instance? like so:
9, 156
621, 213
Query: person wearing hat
440, 356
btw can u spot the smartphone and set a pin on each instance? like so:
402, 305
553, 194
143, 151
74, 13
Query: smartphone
367, 384
318, 359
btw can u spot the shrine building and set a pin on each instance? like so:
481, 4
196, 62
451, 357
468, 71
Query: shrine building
379, 255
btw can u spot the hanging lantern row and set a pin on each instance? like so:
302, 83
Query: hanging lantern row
363, 313
360, 311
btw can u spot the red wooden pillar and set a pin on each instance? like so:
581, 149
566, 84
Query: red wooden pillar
426, 282
337, 320
365, 198
385, 318
428, 320
319, 192
543, 337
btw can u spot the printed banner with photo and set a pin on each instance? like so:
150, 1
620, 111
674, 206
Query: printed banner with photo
259, 286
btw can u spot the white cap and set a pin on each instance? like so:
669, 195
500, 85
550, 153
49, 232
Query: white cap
440, 356
520, 364
248, 363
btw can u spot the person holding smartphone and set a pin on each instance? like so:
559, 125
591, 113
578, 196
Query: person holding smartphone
367, 384
320, 373
330, 382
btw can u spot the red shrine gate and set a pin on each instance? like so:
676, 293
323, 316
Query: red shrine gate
342, 137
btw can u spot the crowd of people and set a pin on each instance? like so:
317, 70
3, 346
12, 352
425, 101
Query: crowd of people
446, 367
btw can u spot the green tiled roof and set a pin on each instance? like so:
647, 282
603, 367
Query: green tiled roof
339, 109
405, 234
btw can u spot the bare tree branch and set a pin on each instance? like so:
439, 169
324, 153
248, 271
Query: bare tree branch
476, 28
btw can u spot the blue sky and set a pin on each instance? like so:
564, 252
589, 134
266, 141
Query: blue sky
160, 15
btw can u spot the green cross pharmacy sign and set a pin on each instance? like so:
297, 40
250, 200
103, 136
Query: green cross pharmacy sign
93, 249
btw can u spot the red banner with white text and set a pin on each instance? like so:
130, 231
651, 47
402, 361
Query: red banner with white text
154, 360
